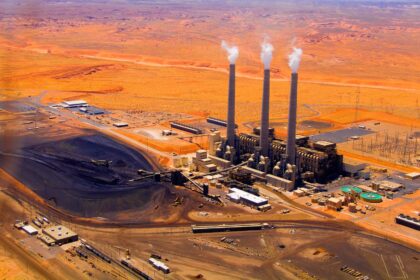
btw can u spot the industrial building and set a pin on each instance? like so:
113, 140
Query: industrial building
159, 265
30, 230
120, 124
46, 240
335, 203
296, 160
219, 122
202, 163
353, 168
408, 221
75, 104
413, 175
240, 196
387, 186
91, 110
230, 227
186, 127
60, 234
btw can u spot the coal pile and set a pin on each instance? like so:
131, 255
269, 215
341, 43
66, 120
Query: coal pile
87, 176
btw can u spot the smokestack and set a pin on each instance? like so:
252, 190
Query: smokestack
294, 61
265, 113
266, 56
231, 107
291, 130
233, 53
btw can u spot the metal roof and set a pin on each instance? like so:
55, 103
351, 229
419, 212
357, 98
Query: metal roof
59, 232
75, 102
249, 197
30, 229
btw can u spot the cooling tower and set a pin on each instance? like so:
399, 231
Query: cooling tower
265, 112
291, 131
231, 108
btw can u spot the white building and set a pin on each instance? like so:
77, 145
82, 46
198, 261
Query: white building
120, 124
75, 103
30, 230
159, 265
237, 195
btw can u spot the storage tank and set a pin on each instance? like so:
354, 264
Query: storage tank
348, 189
371, 197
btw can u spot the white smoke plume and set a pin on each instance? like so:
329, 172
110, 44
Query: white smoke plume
232, 51
266, 54
294, 59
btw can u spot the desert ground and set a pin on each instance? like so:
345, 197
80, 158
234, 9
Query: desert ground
149, 63
360, 62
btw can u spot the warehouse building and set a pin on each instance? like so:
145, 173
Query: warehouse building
120, 124
390, 186
186, 127
230, 227
413, 175
408, 221
159, 265
240, 196
60, 234
30, 230
91, 110
335, 203
75, 104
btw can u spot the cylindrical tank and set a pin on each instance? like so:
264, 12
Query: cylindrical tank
371, 197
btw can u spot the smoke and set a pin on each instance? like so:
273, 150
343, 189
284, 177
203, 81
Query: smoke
232, 51
294, 59
266, 54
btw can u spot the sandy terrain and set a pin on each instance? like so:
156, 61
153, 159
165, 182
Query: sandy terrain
125, 61
360, 63
120, 62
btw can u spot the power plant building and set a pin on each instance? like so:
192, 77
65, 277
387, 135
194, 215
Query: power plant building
203, 163
293, 161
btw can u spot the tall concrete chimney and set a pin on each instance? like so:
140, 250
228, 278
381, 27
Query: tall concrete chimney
265, 113
231, 107
291, 131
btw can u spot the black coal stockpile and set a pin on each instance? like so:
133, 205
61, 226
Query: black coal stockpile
88, 176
